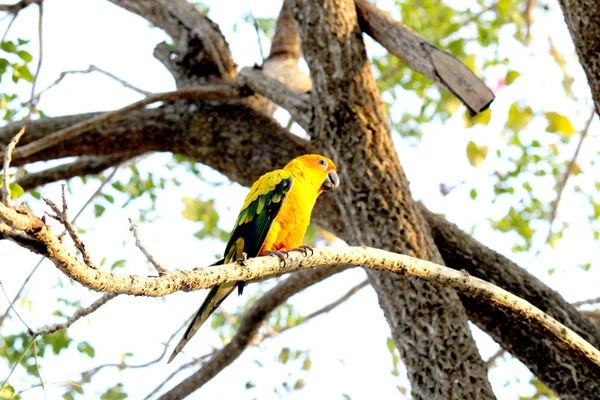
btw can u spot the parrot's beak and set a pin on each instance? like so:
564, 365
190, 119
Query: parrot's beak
332, 181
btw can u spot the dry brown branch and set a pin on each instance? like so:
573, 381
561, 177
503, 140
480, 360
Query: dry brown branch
441, 67
263, 267
529, 9
204, 93
490, 361
567, 175
7, 159
40, 57
138, 242
61, 216
90, 69
584, 302
80, 313
35, 268
86, 165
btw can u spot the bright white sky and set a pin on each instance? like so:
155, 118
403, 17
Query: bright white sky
348, 350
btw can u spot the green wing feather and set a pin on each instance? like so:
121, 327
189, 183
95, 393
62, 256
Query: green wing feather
248, 236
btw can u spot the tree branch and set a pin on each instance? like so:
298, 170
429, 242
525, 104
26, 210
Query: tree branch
86, 165
7, 159
583, 19
439, 66
80, 313
69, 133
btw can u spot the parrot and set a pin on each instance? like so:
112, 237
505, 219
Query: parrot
273, 220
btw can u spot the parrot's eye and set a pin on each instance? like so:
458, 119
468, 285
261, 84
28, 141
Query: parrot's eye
322, 163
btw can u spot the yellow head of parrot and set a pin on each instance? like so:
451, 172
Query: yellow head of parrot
318, 169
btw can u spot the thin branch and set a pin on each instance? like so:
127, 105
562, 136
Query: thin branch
138, 242
331, 306
71, 132
91, 68
80, 313
257, 30
39, 64
37, 365
35, 268
490, 362
584, 302
568, 172
61, 216
18, 6
85, 165
7, 159
531, 4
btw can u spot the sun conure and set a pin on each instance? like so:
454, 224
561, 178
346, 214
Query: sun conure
274, 218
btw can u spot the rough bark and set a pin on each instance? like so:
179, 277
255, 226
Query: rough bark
442, 67
563, 373
583, 20
428, 322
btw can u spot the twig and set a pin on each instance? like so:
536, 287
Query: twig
569, 171
205, 93
17, 363
17, 7
13, 308
39, 64
91, 68
584, 302
330, 306
490, 362
80, 313
138, 242
7, 159
85, 205
66, 383
256, 29
37, 364
529, 19
61, 216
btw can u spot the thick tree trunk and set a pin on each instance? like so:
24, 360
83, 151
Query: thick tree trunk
428, 322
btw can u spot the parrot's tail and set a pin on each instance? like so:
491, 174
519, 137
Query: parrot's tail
216, 295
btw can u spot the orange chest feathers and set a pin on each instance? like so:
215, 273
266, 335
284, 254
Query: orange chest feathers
289, 227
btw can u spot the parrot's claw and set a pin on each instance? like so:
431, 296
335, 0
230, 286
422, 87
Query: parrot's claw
242, 260
304, 249
282, 255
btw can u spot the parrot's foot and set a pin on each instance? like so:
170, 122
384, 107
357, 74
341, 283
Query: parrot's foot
282, 255
304, 249
242, 260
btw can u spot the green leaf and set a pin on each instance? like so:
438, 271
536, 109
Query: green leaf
473, 194
299, 384
58, 341
518, 118
482, 118
8, 47
25, 56
558, 123
476, 154
114, 393
284, 356
99, 210
511, 76
22, 72
16, 190
86, 348
306, 364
